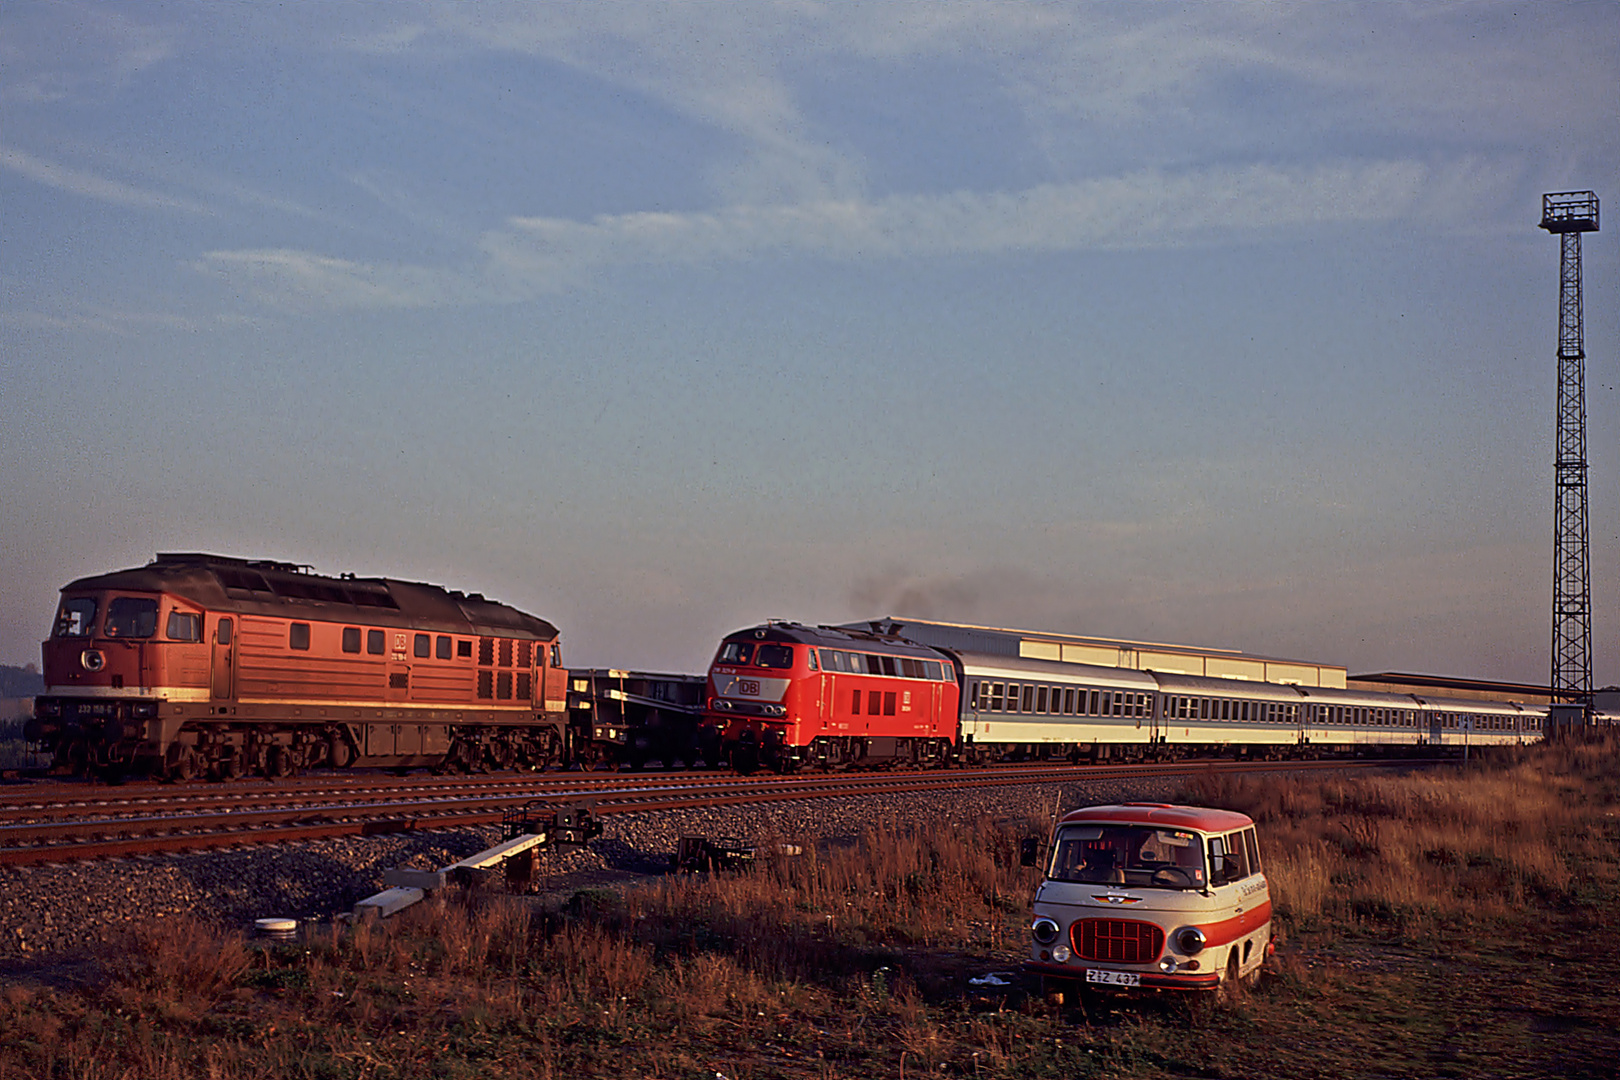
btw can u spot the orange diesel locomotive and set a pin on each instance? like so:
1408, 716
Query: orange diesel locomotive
204, 665
784, 695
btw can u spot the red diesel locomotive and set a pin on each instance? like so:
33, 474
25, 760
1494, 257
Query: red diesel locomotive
205, 665
785, 695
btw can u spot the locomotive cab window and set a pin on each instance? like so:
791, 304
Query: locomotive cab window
131, 616
556, 655
771, 655
184, 626
77, 617
736, 652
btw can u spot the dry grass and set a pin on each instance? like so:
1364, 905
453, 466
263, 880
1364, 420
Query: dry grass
851, 962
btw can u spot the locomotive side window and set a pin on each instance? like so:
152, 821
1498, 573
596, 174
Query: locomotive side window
376, 642
222, 633
855, 702
933, 669
351, 639
736, 652
444, 647
556, 654
423, 646
834, 660
874, 702
76, 618
131, 616
298, 635
810, 655
184, 626
464, 649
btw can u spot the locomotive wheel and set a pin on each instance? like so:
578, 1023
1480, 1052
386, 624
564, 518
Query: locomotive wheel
278, 763
183, 765
228, 767
339, 754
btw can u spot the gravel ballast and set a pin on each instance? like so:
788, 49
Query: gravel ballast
64, 908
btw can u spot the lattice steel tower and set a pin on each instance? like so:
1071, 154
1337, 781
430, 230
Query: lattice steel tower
1570, 213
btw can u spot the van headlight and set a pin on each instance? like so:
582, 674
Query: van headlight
1045, 930
1189, 940
1061, 954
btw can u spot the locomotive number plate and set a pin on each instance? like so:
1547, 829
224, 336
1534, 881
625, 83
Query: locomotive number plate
748, 687
1113, 978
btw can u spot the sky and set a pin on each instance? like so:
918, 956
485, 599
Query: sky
1216, 324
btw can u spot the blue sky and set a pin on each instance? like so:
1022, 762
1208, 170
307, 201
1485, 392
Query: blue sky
1225, 324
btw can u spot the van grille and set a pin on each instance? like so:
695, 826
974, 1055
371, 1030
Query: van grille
1122, 941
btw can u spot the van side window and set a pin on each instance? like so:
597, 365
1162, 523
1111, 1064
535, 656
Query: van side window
1252, 846
1237, 860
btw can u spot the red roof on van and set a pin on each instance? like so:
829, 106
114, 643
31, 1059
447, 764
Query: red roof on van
1200, 818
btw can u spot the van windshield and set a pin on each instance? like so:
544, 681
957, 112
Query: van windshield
1138, 856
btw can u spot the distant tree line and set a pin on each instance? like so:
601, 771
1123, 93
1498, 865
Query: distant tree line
20, 681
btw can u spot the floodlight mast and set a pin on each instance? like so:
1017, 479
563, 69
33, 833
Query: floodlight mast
1569, 214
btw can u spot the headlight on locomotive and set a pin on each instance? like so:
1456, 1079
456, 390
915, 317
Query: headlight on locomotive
1045, 931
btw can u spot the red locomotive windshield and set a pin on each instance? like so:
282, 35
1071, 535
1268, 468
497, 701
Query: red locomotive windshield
767, 655
131, 616
76, 618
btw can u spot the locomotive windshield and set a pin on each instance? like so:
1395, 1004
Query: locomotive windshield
1133, 855
768, 655
132, 616
77, 617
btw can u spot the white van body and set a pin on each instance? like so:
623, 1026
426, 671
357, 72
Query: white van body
1150, 896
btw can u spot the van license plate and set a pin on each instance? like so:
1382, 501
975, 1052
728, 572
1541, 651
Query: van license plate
1113, 978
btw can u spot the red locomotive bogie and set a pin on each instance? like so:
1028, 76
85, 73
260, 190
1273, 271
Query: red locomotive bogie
200, 663
785, 695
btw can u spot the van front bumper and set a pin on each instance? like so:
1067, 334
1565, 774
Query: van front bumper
1149, 980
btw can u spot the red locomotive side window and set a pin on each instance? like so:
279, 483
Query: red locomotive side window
298, 636
351, 639
556, 654
184, 626
888, 703
736, 652
423, 646
874, 702
855, 702
444, 647
376, 642
464, 649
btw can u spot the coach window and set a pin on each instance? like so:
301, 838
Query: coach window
298, 635
995, 697
1029, 699
184, 626
423, 646
1040, 700
444, 647
351, 639
376, 642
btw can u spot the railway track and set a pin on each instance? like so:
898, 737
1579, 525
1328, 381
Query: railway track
61, 823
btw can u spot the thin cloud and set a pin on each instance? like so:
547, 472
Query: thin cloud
89, 185
1147, 210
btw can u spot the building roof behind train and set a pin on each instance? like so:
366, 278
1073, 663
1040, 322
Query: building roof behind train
1171, 659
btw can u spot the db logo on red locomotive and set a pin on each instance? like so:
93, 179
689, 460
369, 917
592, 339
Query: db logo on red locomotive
748, 687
